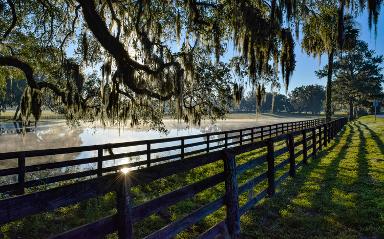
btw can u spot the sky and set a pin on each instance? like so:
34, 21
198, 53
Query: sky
306, 66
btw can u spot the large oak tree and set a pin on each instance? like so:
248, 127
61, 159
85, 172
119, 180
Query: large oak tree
148, 52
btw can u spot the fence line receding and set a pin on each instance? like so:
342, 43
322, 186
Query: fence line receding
308, 136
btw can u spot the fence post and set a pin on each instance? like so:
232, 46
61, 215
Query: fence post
334, 129
314, 139
241, 137
271, 168
329, 132
252, 135
320, 139
226, 140
291, 150
182, 148
305, 149
270, 131
148, 155
338, 126
262, 133
124, 209
325, 134
231, 195
207, 143
21, 174
100, 162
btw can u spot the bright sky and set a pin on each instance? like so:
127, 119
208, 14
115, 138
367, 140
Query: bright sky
307, 65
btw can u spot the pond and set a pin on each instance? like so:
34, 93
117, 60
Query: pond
57, 134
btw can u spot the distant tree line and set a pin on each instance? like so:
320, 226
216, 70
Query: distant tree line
303, 99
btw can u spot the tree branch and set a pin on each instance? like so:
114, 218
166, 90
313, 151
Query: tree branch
27, 69
126, 66
14, 19
110, 43
28, 72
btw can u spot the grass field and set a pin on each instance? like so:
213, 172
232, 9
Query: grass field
338, 195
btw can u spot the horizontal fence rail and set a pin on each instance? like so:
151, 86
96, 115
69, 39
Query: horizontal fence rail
144, 153
303, 142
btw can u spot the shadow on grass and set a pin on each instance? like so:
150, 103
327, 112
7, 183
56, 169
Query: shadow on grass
375, 137
370, 222
265, 219
337, 198
323, 197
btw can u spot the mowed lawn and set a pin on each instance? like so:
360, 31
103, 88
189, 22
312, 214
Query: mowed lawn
340, 194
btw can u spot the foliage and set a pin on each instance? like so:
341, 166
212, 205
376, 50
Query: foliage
59, 46
321, 35
357, 78
281, 103
131, 48
307, 98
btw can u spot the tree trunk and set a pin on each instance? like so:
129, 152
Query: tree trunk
350, 109
328, 107
256, 102
16, 112
273, 103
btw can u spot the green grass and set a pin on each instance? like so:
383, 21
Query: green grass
338, 195
45, 114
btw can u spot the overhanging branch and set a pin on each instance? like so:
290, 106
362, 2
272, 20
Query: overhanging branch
14, 19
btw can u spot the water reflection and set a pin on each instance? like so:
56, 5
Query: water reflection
56, 134
46, 135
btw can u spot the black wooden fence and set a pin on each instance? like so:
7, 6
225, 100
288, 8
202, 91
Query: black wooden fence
314, 131
144, 151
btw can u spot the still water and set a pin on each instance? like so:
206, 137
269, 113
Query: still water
57, 134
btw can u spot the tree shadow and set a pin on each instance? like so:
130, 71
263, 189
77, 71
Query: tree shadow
368, 196
375, 137
338, 198
263, 220
331, 171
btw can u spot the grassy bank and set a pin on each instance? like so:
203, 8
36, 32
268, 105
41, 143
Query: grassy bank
338, 195
45, 114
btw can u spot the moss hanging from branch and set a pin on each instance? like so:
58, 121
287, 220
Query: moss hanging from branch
31, 102
287, 57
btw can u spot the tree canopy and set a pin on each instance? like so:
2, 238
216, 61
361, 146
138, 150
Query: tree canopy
357, 78
322, 36
308, 99
137, 60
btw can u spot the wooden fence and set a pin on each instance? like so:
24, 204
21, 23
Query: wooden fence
314, 131
144, 151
